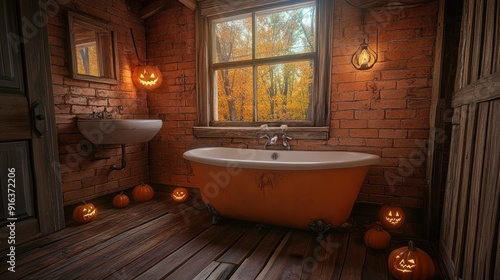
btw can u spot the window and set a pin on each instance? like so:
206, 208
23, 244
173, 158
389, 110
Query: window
266, 64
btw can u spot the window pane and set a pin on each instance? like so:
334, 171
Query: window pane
284, 91
87, 60
234, 94
286, 32
233, 40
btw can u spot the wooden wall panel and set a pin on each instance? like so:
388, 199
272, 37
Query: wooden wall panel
475, 188
469, 240
477, 34
451, 186
479, 57
489, 38
489, 200
496, 52
468, 120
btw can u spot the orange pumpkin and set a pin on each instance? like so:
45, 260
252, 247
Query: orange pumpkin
179, 194
147, 77
142, 192
410, 263
377, 238
121, 200
85, 213
391, 217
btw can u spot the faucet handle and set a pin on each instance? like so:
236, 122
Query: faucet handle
285, 141
264, 136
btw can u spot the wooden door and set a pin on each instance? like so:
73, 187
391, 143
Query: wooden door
31, 196
470, 231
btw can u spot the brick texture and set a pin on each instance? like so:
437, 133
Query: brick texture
383, 110
83, 178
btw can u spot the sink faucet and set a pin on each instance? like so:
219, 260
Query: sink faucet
101, 115
270, 140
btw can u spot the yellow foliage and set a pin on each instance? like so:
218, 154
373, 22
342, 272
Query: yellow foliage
279, 91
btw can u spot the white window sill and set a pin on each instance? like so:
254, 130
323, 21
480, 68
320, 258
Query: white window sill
297, 133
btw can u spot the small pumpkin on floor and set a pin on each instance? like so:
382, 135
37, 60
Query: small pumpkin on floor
120, 200
179, 194
85, 213
377, 238
142, 192
409, 262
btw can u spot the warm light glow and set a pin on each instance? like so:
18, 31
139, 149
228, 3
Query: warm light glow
88, 214
405, 266
179, 194
364, 58
393, 219
147, 77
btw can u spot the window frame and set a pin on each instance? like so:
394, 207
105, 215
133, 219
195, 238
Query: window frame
316, 126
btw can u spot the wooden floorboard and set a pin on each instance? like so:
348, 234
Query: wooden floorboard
161, 239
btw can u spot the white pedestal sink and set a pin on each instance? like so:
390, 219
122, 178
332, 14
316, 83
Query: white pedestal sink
118, 131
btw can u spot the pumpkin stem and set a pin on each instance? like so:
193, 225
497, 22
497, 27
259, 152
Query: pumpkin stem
411, 245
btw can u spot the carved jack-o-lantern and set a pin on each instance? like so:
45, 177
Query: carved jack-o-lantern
410, 263
391, 217
179, 194
85, 213
147, 77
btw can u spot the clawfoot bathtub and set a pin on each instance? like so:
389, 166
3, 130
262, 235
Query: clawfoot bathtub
299, 189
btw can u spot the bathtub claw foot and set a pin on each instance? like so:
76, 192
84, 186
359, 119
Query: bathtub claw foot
320, 227
216, 217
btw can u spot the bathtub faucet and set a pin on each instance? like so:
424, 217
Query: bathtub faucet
270, 140
286, 144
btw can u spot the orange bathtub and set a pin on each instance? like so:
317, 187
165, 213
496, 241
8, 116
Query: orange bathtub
287, 188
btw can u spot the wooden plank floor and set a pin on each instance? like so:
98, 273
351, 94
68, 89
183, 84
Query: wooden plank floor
161, 239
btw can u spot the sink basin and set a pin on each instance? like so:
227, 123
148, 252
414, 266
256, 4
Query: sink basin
118, 131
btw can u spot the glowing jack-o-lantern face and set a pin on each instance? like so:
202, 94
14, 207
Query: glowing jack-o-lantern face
391, 217
147, 77
405, 265
179, 194
409, 262
85, 213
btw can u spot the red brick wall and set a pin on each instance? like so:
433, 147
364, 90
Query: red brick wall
83, 178
383, 111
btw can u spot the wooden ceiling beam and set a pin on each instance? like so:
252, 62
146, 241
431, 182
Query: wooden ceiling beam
158, 5
191, 4
153, 8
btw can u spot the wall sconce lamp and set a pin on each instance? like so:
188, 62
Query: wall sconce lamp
364, 58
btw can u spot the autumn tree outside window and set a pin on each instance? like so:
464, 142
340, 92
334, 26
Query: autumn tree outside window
263, 62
